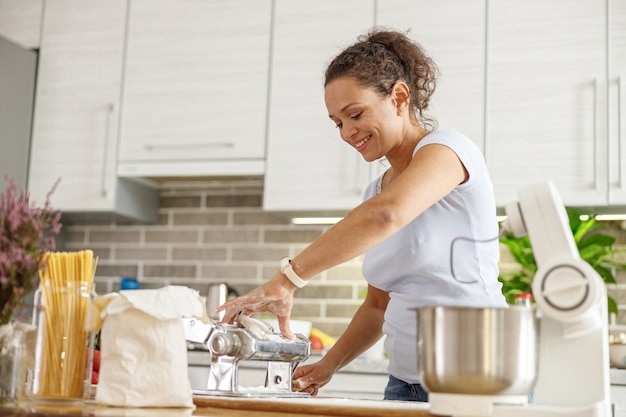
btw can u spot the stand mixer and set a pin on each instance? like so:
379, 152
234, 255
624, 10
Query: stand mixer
571, 305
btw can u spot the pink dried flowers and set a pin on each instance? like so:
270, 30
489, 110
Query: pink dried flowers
26, 233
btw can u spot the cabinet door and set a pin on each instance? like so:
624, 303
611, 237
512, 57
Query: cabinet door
77, 104
196, 80
453, 33
545, 88
20, 22
18, 69
616, 84
308, 165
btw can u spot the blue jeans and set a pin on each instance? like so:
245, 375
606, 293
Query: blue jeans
403, 391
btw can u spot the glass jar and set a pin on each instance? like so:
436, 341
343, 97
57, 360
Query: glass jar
12, 357
64, 349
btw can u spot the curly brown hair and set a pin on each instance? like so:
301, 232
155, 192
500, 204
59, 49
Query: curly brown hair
381, 58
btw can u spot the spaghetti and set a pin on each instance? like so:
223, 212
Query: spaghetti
65, 291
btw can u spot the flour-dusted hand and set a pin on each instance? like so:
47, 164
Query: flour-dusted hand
310, 378
275, 296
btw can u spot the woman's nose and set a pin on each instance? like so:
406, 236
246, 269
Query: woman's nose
348, 132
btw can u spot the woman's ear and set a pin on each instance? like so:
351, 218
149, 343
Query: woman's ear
401, 96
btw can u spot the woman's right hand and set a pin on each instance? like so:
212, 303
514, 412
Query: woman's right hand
275, 296
310, 378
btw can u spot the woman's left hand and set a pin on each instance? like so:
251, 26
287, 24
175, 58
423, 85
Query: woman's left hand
275, 296
310, 378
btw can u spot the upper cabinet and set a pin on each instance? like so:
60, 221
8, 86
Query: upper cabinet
196, 84
453, 33
551, 87
309, 167
157, 88
20, 22
77, 108
616, 113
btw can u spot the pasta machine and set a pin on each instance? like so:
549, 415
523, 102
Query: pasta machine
253, 340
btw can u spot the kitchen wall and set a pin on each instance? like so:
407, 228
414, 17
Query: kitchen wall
212, 232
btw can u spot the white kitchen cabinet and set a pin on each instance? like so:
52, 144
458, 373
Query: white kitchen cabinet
196, 82
547, 86
18, 69
20, 22
453, 34
618, 400
309, 167
616, 114
77, 109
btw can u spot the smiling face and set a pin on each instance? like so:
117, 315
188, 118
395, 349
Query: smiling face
371, 124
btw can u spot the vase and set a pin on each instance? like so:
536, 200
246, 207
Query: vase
14, 359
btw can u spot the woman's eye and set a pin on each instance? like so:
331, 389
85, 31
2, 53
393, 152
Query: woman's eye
356, 116
339, 125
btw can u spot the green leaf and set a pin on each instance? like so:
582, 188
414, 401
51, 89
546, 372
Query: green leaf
520, 250
584, 228
593, 254
596, 239
574, 219
605, 274
612, 305
579, 227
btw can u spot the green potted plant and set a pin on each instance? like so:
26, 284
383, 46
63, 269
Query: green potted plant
594, 246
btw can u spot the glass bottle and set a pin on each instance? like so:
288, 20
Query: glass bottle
523, 299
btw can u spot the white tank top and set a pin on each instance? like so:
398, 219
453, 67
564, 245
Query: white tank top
419, 267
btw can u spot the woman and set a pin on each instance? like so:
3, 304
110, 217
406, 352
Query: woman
437, 194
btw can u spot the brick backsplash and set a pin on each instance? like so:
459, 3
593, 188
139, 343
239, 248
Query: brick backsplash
209, 235
212, 234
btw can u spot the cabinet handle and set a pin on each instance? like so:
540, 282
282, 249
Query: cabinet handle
619, 130
105, 159
595, 134
189, 145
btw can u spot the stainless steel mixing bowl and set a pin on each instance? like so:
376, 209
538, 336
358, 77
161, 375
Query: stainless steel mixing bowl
486, 351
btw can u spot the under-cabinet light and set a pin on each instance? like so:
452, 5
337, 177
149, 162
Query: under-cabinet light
585, 217
610, 217
315, 220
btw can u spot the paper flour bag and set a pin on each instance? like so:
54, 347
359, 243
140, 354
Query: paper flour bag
142, 346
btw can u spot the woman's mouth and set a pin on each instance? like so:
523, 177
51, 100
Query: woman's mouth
358, 145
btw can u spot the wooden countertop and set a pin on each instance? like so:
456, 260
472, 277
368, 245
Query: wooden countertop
318, 406
235, 407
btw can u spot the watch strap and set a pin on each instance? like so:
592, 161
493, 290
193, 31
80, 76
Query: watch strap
287, 269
